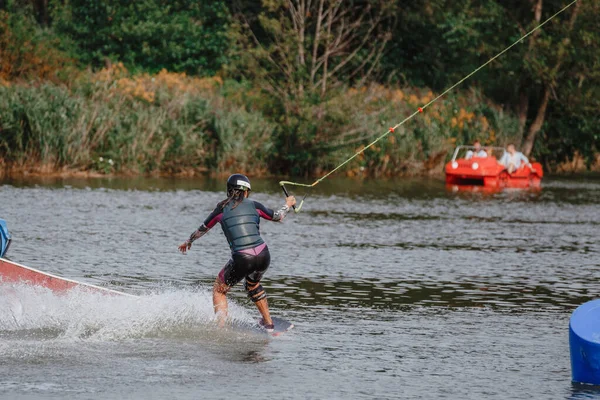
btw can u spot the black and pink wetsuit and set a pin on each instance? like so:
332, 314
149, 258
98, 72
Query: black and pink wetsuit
240, 222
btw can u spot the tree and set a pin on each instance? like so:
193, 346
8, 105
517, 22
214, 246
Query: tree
547, 80
573, 114
182, 35
303, 53
548, 75
301, 48
28, 51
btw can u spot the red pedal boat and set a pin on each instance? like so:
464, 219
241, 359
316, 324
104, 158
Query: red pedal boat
488, 172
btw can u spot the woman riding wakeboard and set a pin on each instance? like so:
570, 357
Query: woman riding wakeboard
240, 218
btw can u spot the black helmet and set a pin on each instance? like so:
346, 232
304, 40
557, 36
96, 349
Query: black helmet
238, 181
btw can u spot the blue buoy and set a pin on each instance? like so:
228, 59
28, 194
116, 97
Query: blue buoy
584, 341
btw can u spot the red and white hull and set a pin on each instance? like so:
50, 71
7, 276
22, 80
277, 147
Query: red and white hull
11, 272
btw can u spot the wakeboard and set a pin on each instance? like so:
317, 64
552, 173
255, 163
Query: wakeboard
280, 326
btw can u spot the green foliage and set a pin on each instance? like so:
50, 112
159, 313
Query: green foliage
423, 142
303, 55
574, 116
102, 119
28, 51
440, 41
301, 50
149, 35
112, 121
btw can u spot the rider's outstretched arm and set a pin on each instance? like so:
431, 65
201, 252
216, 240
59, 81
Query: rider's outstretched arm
198, 233
209, 222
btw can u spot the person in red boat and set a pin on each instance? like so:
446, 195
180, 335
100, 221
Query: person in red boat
250, 258
479, 152
513, 159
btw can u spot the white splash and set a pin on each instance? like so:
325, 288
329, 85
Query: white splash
83, 315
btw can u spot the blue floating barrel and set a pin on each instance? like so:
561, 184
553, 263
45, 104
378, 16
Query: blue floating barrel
584, 341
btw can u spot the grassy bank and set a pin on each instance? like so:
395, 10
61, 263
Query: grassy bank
115, 122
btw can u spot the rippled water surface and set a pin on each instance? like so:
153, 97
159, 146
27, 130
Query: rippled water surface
398, 289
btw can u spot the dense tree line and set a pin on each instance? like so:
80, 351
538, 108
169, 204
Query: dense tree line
305, 55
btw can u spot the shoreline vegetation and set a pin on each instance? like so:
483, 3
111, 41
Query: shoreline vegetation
115, 122
262, 98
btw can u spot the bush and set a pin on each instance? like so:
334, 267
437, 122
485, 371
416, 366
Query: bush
167, 123
318, 137
29, 52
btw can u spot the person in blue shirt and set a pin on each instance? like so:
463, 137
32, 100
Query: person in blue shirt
513, 159
479, 152
240, 218
4, 238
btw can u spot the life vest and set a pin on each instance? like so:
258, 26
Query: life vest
240, 225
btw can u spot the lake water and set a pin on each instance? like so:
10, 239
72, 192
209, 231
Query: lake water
398, 289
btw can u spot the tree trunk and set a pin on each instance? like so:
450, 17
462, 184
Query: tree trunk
541, 113
523, 110
40, 7
525, 81
326, 55
537, 13
45, 14
301, 13
538, 122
